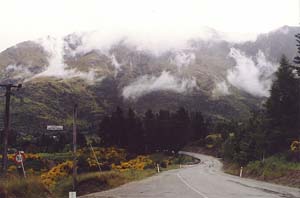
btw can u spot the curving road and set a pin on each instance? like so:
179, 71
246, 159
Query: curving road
204, 180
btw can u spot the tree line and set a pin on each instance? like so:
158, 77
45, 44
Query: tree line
162, 130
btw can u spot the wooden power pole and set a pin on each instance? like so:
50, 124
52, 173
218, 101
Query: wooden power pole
6, 130
74, 147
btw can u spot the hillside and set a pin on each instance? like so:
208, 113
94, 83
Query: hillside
205, 75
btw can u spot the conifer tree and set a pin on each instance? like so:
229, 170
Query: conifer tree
283, 106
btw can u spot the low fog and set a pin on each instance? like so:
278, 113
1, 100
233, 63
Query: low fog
165, 82
251, 74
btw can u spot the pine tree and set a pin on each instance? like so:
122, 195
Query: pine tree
105, 131
151, 134
163, 129
133, 134
297, 58
180, 129
283, 106
199, 126
117, 126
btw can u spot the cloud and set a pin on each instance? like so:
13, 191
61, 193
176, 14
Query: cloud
116, 64
155, 42
18, 71
165, 82
56, 47
253, 77
183, 59
221, 89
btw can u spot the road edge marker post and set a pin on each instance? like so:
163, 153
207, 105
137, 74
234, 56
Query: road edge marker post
157, 166
241, 172
22, 164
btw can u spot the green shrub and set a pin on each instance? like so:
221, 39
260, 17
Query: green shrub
273, 167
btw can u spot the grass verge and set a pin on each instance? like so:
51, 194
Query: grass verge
275, 169
31, 187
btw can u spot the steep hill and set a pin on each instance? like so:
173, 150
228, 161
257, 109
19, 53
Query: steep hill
223, 79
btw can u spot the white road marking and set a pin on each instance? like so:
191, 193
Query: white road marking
191, 187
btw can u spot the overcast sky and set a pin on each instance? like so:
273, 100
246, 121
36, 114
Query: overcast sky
30, 19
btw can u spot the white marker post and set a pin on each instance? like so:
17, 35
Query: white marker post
157, 166
241, 172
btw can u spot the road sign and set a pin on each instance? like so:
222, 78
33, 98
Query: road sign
19, 158
55, 128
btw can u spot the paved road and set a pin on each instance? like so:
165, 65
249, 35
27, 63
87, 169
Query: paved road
204, 180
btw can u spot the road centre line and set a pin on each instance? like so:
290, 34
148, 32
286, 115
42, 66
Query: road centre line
191, 187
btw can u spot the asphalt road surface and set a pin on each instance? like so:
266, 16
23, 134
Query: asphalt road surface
204, 180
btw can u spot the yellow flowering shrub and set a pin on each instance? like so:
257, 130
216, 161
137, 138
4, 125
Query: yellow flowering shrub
105, 156
11, 157
295, 146
12, 168
50, 178
28, 156
32, 156
138, 163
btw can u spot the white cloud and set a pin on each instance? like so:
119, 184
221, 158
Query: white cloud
116, 64
19, 71
183, 59
221, 89
254, 78
55, 47
165, 82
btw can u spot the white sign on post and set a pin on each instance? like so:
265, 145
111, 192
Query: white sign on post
55, 128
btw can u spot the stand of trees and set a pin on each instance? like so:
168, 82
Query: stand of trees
152, 131
273, 129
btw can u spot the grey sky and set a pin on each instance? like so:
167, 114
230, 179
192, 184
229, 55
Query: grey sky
27, 20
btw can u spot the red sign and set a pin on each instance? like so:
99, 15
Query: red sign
19, 157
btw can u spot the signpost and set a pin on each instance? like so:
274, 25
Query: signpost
19, 159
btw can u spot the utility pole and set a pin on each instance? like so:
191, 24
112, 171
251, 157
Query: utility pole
6, 130
74, 148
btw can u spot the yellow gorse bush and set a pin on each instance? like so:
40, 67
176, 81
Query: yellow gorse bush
32, 156
138, 163
28, 156
295, 146
104, 155
12, 168
50, 178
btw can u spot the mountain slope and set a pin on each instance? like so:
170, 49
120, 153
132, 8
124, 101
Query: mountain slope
56, 73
